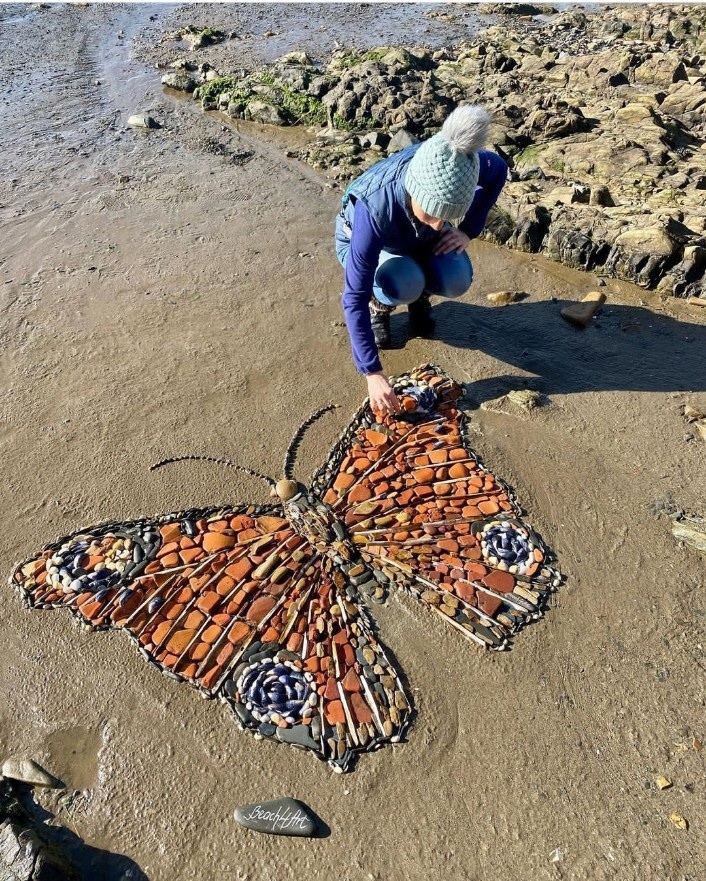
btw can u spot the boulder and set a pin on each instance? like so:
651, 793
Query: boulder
572, 247
26, 853
499, 226
296, 58
400, 140
642, 254
179, 80
660, 70
530, 229
634, 114
261, 111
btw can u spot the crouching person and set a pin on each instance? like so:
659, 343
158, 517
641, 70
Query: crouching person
402, 234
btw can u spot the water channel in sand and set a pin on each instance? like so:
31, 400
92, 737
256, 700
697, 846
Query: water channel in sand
157, 299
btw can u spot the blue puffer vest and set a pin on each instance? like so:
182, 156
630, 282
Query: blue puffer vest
381, 189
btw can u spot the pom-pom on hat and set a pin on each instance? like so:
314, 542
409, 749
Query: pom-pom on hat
443, 174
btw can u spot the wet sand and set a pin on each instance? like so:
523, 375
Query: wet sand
159, 299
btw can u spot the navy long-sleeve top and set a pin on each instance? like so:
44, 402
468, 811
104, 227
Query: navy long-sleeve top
367, 242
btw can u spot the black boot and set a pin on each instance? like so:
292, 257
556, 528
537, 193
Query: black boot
421, 322
380, 321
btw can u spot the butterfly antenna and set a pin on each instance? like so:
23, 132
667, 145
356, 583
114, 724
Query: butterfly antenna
290, 456
219, 461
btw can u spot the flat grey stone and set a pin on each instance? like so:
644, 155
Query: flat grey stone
243, 714
180, 81
282, 816
400, 140
298, 735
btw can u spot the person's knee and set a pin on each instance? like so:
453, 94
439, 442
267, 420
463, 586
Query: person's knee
449, 275
401, 279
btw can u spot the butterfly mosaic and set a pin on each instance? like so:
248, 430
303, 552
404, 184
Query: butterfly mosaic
268, 607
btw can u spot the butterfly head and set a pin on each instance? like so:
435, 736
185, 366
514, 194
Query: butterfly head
286, 489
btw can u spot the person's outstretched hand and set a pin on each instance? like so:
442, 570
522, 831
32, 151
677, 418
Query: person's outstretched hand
382, 398
451, 240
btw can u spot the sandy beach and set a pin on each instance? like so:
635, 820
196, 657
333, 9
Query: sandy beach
176, 291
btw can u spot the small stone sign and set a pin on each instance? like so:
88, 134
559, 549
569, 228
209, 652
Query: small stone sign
282, 816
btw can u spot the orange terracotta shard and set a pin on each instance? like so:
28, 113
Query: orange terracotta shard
375, 438
238, 632
260, 607
344, 481
502, 582
217, 541
170, 532
334, 713
360, 493
240, 569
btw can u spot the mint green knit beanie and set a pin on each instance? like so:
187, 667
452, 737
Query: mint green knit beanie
443, 174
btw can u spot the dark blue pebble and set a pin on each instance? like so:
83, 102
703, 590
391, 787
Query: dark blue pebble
247, 680
154, 604
294, 706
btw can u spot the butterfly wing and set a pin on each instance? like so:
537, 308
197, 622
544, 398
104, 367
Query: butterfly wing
334, 691
238, 604
420, 506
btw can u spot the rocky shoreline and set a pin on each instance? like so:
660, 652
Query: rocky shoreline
601, 118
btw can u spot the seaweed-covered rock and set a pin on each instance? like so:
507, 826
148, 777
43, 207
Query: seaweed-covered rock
601, 118
262, 111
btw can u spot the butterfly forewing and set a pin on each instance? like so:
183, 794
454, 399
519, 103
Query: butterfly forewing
419, 504
190, 588
240, 605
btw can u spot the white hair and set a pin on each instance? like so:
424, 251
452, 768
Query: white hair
466, 129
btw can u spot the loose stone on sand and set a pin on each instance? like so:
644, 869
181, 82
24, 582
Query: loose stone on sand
28, 771
281, 816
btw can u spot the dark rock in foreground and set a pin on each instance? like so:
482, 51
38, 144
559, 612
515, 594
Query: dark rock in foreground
25, 852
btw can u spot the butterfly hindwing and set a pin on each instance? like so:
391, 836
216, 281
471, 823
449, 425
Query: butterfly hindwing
333, 690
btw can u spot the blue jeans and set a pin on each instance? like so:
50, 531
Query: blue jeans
402, 279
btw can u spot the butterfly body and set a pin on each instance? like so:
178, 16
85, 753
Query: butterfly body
267, 607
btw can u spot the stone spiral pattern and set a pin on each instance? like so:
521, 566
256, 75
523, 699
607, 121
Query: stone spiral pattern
422, 396
71, 570
277, 691
507, 546
425, 398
